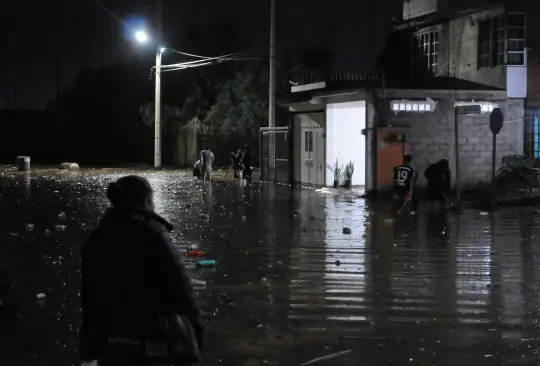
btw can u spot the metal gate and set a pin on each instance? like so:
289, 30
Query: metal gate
275, 154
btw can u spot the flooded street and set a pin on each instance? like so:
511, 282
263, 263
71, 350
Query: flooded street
289, 286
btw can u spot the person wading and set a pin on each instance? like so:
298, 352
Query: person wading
438, 182
246, 161
138, 304
404, 181
207, 160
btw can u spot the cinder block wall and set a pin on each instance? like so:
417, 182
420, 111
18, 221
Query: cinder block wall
431, 138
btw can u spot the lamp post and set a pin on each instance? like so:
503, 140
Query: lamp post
143, 37
157, 112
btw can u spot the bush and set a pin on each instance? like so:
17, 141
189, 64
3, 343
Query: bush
517, 171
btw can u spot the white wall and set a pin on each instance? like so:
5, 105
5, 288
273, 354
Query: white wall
344, 139
417, 8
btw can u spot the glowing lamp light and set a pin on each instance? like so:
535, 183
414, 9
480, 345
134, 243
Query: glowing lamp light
141, 36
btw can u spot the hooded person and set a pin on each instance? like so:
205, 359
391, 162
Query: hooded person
138, 303
438, 178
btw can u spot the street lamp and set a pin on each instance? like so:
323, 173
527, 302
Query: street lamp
142, 37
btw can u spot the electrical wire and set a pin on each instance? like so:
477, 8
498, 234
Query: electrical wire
202, 57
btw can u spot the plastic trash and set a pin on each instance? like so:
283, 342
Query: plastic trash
346, 230
41, 296
484, 213
60, 227
62, 216
195, 253
206, 263
29, 227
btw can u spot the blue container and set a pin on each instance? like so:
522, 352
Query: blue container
206, 263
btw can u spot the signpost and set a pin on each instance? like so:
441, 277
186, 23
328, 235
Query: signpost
496, 121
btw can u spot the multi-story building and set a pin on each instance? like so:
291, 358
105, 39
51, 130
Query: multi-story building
442, 54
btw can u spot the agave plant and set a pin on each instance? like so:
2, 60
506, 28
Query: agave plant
349, 170
338, 171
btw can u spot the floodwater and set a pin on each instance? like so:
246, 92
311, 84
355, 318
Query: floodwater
290, 286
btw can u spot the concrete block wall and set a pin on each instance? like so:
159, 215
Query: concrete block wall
431, 138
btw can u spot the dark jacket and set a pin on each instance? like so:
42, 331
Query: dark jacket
246, 159
438, 177
129, 275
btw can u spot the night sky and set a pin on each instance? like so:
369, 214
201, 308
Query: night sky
80, 33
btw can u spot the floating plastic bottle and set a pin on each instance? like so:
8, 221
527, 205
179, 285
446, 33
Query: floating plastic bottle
206, 263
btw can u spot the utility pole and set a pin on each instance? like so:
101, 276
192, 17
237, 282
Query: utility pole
272, 81
157, 111
272, 93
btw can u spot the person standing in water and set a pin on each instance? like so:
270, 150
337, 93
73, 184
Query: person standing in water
207, 160
246, 161
138, 302
438, 182
404, 181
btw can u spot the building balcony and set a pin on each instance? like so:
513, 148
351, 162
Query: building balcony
314, 81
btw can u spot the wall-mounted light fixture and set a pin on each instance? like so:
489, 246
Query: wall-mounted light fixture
413, 106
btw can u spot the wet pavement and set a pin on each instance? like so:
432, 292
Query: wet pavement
290, 286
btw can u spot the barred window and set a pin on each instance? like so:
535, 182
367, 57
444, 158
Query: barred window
500, 43
426, 51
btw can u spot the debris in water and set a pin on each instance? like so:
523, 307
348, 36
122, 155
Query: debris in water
205, 216
29, 227
338, 263
388, 221
244, 218
346, 230
41, 296
60, 227
206, 263
325, 358
484, 213
195, 253
14, 234
62, 216
47, 232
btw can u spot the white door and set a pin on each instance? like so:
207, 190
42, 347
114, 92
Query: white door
307, 153
312, 148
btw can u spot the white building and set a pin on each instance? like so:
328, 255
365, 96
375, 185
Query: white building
439, 57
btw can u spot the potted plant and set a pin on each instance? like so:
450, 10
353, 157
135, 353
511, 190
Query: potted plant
349, 170
337, 174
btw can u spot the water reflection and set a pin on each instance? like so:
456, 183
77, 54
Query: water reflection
346, 267
207, 195
289, 283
